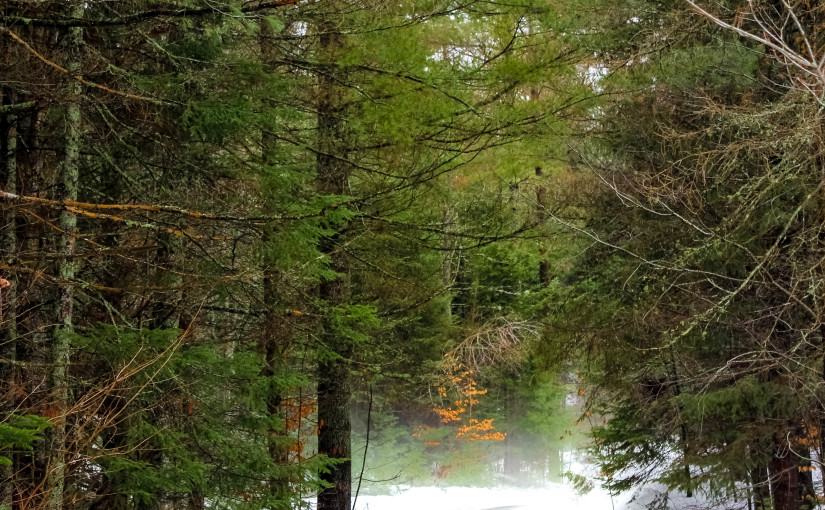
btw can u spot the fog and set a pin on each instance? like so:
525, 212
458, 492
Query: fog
555, 496
544, 464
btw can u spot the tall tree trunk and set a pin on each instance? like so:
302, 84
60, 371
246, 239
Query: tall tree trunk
67, 222
277, 338
34, 317
8, 291
760, 487
278, 325
334, 385
165, 314
820, 255
512, 459
683, 432
787, 492
448, 270
541, 218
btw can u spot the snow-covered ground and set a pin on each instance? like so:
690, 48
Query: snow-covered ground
553, 497
558, 497
550, 496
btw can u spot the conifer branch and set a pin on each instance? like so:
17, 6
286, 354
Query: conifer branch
88, 206
79, 78
13, 108
138, 17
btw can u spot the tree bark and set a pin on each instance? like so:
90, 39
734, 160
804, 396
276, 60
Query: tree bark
67, 223
541, 218
787, 492
683, 432
278, 325
760, 486
334, 384
277, 336
8, 293
34, 318
448, 245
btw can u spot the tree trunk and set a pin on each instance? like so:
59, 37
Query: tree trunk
278, 325
165, 314
67, 222
541, 218
277, 337
787, 492
448, 217
820, 159
8, 293
334, 385
683, 432
512, 461
34, 317
760, 486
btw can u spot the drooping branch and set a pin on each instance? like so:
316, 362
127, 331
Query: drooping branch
88, 206
498, 342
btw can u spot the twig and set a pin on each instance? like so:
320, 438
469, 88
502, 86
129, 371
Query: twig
88, 206
366, 445
80, 79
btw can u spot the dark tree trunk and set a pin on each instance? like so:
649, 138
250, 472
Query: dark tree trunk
278, 327
541, 217
512, 463
34, 318
277, 336
334, 385
165, 313
760, 487
8, 291
683, 432
787, 492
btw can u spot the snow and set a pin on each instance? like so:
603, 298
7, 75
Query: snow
557, 497
554, 496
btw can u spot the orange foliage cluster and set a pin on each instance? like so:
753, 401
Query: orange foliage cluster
462, 384
418, 430
808, 439
448, 415
810, 436
479, 431
296, 421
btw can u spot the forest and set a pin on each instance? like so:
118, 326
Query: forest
278, 254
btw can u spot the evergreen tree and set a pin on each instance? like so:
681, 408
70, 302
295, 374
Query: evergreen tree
704, 349
210, 210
